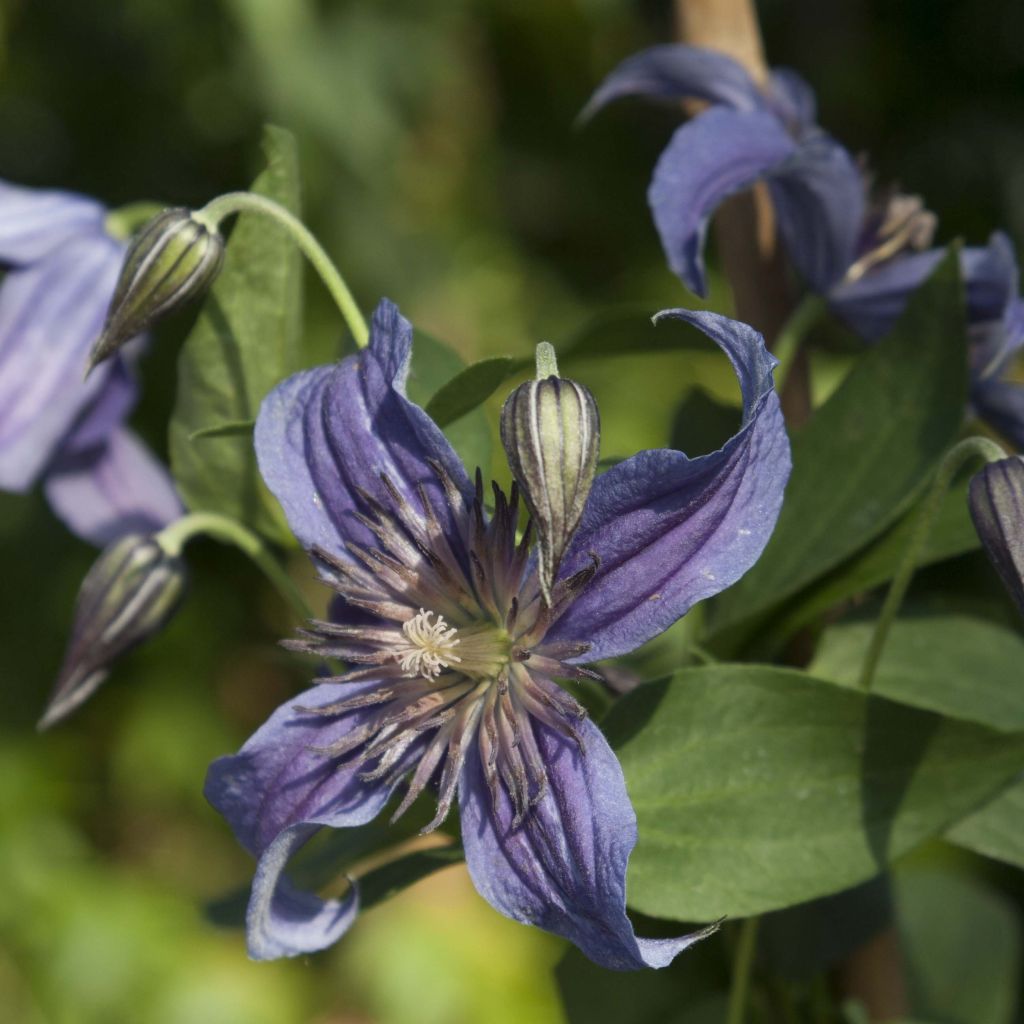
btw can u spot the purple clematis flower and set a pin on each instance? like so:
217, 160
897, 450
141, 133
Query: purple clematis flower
62, 266
866, 255
456, 651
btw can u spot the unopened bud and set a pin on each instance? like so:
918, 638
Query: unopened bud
130, 592
551, 432
171, 260
996, 500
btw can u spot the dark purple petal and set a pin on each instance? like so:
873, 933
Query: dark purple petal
275, 793
677, 72
33, 222
110, 489
668, 530
991, 278
50, 313
1000, 403
715, 155
996, 502
793, 98
564, 868
323, 435
818, 195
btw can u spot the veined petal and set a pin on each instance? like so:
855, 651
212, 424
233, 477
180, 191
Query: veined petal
564, 868
325, 434
34, 222
50, 313
669, 531
108, 489
676, 72
715, 155
818, 195
275, 793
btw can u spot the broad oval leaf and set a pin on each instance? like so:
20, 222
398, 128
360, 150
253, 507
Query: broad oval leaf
245, 340
996, 829
957, 665
868, 451
757, 788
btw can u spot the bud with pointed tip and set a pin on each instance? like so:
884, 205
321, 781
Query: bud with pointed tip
551, 432
130, 592
996, 500
171, 260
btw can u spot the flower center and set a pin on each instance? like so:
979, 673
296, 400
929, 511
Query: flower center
429, 647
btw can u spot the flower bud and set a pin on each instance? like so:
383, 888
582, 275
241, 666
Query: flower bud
171, 260
996, 500
551, 432
130, 592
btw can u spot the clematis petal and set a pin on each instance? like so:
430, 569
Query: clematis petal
819, 203
34, 222
677, 72
275, 793
50, 313
1000, 403
325, 434
793, 98
108, 489
668, 531
715, 155
564, 868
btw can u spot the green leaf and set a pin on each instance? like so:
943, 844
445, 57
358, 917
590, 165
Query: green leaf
956, 665
952, 534
756, 788
996, 829
869, 450
472, 387
236, 428
962, 945
434, 365
245, 341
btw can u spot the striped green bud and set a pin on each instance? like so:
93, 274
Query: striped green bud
171, 260
551, 432
130, 592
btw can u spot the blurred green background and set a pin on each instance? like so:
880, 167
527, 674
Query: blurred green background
441, 169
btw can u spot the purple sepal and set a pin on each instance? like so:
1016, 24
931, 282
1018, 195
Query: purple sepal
996, 501
715, 155
793, 99
669, 531
564, 868
325, 434
275, 793
111, 487
675, 72
34, 222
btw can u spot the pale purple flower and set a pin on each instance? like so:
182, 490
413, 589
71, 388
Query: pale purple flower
866, 255
61, 267
455, 653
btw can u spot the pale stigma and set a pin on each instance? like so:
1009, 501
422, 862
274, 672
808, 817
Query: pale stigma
430, 646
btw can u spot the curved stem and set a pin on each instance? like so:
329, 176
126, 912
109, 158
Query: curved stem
807, 314
742, 969
249, 202
211, 524
957, 456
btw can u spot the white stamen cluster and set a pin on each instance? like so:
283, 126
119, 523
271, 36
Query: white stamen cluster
431, 646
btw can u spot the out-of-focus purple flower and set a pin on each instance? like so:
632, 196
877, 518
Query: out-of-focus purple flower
61, 268
865, 253
456, 652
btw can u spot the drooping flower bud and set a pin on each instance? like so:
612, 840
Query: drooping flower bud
551, 432
130, 592
171, 260
996, 500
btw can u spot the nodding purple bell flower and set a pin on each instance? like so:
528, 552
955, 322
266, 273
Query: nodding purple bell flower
866, 252
454, 650
61, 267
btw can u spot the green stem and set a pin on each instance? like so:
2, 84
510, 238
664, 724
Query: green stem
174, 537
957, 456
810, 310
742, 969
249, 202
